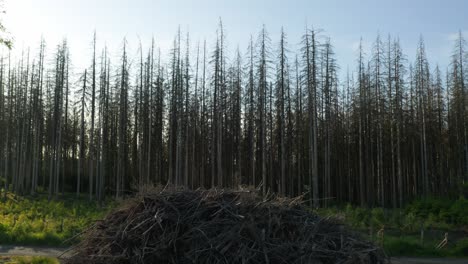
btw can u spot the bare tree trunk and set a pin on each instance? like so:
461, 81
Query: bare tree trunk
93, 107
362, 196
82, 137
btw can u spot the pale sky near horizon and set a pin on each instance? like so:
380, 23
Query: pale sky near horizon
345, 22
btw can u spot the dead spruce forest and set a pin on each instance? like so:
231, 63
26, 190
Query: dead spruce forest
208, 115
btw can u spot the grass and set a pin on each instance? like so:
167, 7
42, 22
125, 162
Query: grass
28, 260
33, 220
427, 213
411, 246
37, 221
402, 227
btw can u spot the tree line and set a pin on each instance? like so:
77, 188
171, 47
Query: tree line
207, 116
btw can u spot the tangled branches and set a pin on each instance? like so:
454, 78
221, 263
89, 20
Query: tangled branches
219, 227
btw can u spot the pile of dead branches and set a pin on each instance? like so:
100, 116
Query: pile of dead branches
216, 226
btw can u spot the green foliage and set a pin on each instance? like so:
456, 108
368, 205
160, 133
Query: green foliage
409, 222
377, 217
465, 190
459, 211
440, 211
402, 226
36, 221
461, 248
433, 213
424, 207
29, 260
411, 246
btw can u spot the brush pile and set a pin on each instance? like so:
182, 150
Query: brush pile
217, 226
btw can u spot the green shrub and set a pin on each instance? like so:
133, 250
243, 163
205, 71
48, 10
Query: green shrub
377, 217
410, 246
461, 248
459, 211
402, 226
425, 206
439, 212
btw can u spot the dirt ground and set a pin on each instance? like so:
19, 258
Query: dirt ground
56, 252
406, 260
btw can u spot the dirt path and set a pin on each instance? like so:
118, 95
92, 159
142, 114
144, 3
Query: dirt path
406, 260
12, 250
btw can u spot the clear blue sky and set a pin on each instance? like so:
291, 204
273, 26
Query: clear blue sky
344, 21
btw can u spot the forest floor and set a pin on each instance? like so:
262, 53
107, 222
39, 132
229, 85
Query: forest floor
45, 255
28, 260
416, 230
12, 250
406, 260
49, 255
33, 221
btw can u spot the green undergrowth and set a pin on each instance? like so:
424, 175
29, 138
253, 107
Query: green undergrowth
415, 230
443, 214
34, 220
28, 260
412, 246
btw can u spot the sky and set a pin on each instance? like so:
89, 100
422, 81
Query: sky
345, 22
